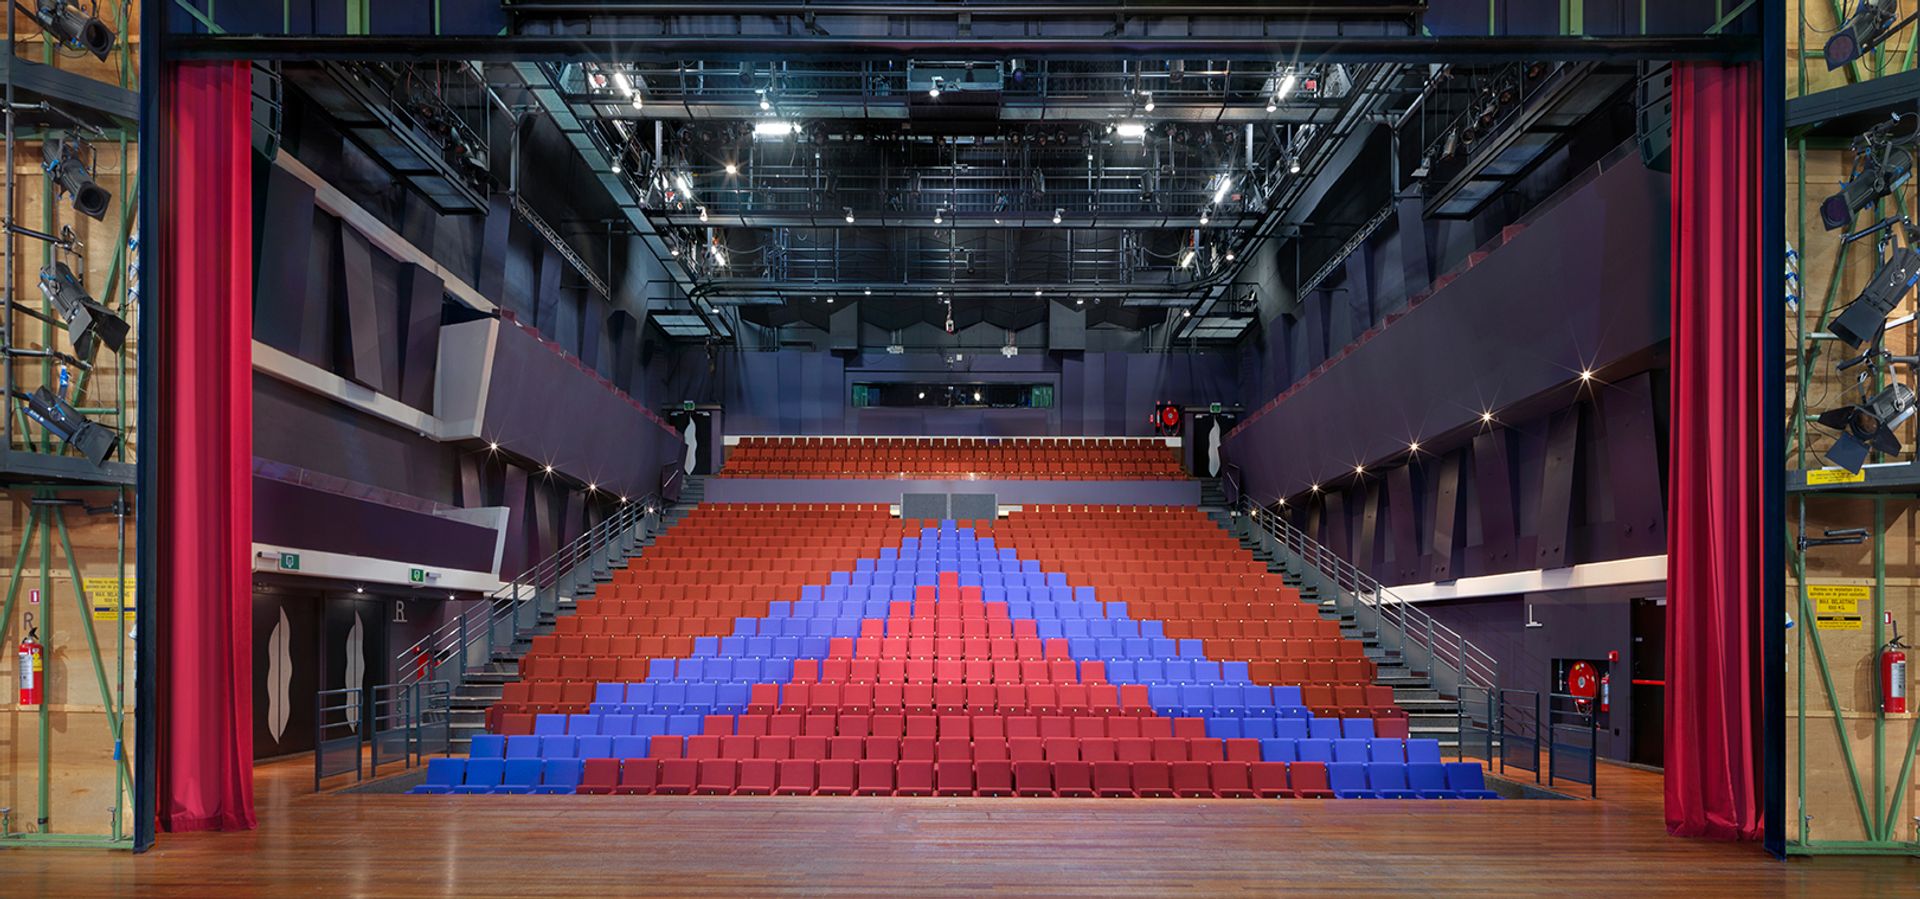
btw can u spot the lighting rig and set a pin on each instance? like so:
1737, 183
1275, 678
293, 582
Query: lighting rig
1883, 160
1867, 426
71, 26
1869, 26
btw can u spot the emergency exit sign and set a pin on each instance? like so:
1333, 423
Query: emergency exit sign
1214, 408
417, 575
289, 561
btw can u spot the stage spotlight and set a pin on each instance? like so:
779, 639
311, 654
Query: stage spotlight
1877, 172
91, 439
1870, 23
1867, 314
86, 318
79, 30
66, 164
1868, 427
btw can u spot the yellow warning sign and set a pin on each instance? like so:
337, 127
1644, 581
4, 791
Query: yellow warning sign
1838, 622
104, 590
1838, 599
1835, 476
103, 593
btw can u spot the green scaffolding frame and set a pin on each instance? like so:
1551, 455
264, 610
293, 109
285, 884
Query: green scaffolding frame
48, 501
1878, 817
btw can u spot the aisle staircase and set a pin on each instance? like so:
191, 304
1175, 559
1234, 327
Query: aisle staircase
1430, 714
479, 652
1428, 665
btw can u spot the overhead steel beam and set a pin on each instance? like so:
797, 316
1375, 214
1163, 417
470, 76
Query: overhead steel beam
735, 291
586, 142
950, 222
675, 107
751, 47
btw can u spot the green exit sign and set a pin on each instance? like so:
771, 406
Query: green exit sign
417, 575
1214, 408
289, 561
686, 405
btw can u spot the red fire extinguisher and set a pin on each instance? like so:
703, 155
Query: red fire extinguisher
32, 663
1606, 691
1893, 673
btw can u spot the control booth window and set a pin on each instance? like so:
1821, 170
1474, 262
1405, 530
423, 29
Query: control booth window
984, 396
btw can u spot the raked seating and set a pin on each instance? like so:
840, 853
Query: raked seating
1024, 656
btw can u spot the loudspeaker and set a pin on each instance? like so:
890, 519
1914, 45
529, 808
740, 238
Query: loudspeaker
844, 327
1066, 327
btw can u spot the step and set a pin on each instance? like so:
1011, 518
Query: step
475, 691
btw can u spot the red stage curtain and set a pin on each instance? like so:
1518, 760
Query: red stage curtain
205, 664
1714, 530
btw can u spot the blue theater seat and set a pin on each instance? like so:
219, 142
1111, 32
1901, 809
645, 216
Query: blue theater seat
600, 747
523, 747
549, 724
1467, 781
1429, 781
1349, 780
1389, 780
1279, 750
1424, 751
559, 776
488, 746
1314, 750
482, 775
1345, 750
559, 747
634, 747
1324, 728
521, 776
443, 776
1356, 728
1386, 749
1290, 728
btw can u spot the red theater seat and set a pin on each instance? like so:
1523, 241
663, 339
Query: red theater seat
638, 776
796, 778
1032, 778
757, 777
1072, 779
838, 777
875, 778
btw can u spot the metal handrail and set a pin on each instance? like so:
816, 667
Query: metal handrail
516, 607
1400, 621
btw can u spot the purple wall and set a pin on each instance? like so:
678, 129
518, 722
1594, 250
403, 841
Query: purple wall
294, 515
801, 392
1575, 624
1582, 286
542, 404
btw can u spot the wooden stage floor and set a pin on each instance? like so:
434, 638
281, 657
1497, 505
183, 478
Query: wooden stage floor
362, 844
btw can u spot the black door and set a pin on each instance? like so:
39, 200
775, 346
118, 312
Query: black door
286, 670
1649, 682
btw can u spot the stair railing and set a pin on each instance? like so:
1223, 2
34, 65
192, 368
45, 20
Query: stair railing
471, 640
1402, 627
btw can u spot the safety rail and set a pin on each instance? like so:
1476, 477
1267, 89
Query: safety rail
1423, 643
471, 640
1230, 479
